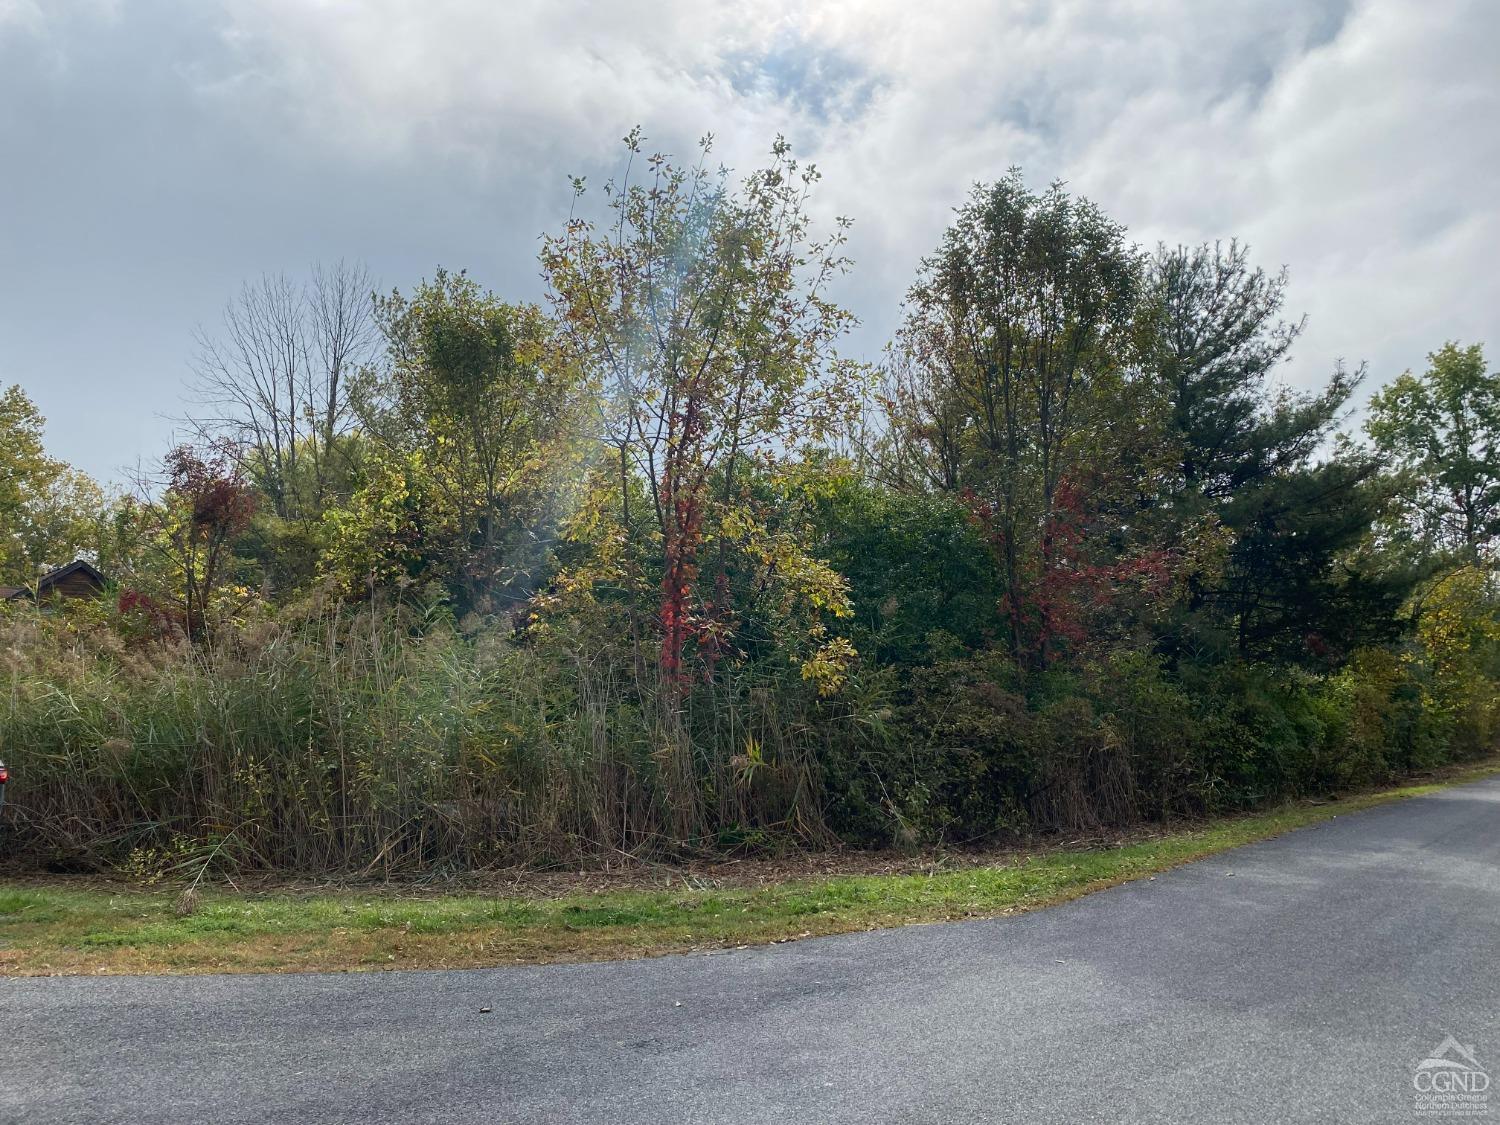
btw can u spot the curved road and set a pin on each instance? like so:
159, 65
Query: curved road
1300, 979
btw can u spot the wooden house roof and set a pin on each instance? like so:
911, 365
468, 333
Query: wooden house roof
77, 579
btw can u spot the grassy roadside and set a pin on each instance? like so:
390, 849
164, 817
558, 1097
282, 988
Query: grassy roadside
55, 928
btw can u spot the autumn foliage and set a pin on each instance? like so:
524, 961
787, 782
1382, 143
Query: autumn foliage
656, 566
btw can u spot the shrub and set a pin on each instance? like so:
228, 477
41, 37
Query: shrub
388, 738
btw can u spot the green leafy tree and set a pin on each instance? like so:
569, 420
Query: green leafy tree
922, 580
1441, 431
469, 425
50, 513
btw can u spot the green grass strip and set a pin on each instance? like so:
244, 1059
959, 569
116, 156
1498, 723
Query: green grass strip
58, 927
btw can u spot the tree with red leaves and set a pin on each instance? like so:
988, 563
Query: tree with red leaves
1013, 385
205, 505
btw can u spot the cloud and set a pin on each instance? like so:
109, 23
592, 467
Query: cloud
169, 149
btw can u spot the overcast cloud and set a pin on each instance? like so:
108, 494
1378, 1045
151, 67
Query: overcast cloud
152, 155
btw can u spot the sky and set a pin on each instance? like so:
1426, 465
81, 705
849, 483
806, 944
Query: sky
155, 155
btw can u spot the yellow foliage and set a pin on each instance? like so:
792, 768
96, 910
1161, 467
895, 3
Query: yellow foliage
1459, 635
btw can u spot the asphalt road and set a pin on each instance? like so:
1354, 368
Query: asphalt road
1301, 979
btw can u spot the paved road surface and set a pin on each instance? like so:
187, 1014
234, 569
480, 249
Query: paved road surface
1299, 979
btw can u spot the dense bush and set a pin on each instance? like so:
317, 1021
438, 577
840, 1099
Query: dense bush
387, 739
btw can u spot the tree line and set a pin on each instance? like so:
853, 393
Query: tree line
656, 565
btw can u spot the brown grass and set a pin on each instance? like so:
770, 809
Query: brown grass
95, 926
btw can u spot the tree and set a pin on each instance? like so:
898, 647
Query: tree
1441, 432
1214, 338
473, 414
1301, 583
1458, 634
273, 386
50, 513
921, 577
926, 440
700, 314
183, 540
1017, 390
1253, 460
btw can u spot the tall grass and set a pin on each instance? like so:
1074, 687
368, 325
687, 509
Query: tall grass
369, 739
378, 739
